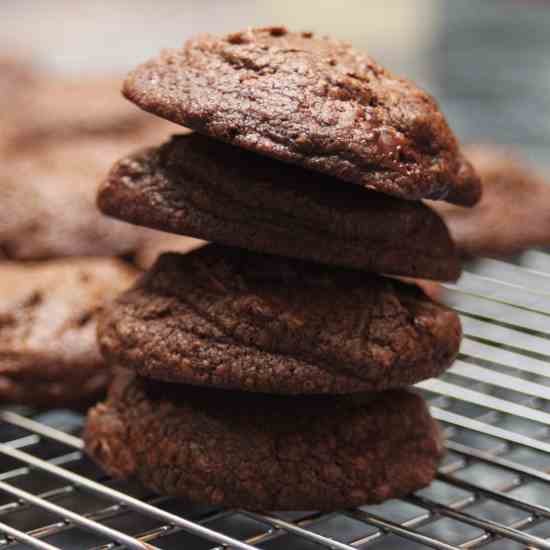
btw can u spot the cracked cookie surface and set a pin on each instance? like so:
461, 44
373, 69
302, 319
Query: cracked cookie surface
196, 186
48, 313
229, 318
264, 452
310, 101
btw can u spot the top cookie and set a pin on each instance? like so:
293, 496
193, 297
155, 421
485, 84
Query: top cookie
17, 83
311, 101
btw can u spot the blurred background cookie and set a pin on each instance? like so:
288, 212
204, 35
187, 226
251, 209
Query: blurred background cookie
17, 80
48, 311
514, 211
17, 75
59, 108
49, 202
58, 145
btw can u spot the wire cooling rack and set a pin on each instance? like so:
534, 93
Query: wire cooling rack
492, 490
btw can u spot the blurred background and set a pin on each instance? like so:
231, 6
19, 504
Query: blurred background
486, 61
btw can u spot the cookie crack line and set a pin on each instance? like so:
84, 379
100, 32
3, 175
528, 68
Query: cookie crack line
333, 369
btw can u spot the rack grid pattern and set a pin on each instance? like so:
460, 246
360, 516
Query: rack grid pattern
492, 490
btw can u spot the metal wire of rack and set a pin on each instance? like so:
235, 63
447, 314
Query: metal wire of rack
492, 490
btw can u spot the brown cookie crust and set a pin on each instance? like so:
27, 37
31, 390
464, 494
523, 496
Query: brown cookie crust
229, 318
196, 186
48, 312
310, 101
264, 452
514, 212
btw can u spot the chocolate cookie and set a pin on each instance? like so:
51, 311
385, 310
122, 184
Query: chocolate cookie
264, 452
514, 213
196, 186
310, 101
49, 202
60, 109
48, 351
229, 318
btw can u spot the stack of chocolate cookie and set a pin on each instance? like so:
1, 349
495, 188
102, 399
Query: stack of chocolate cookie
268, 369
